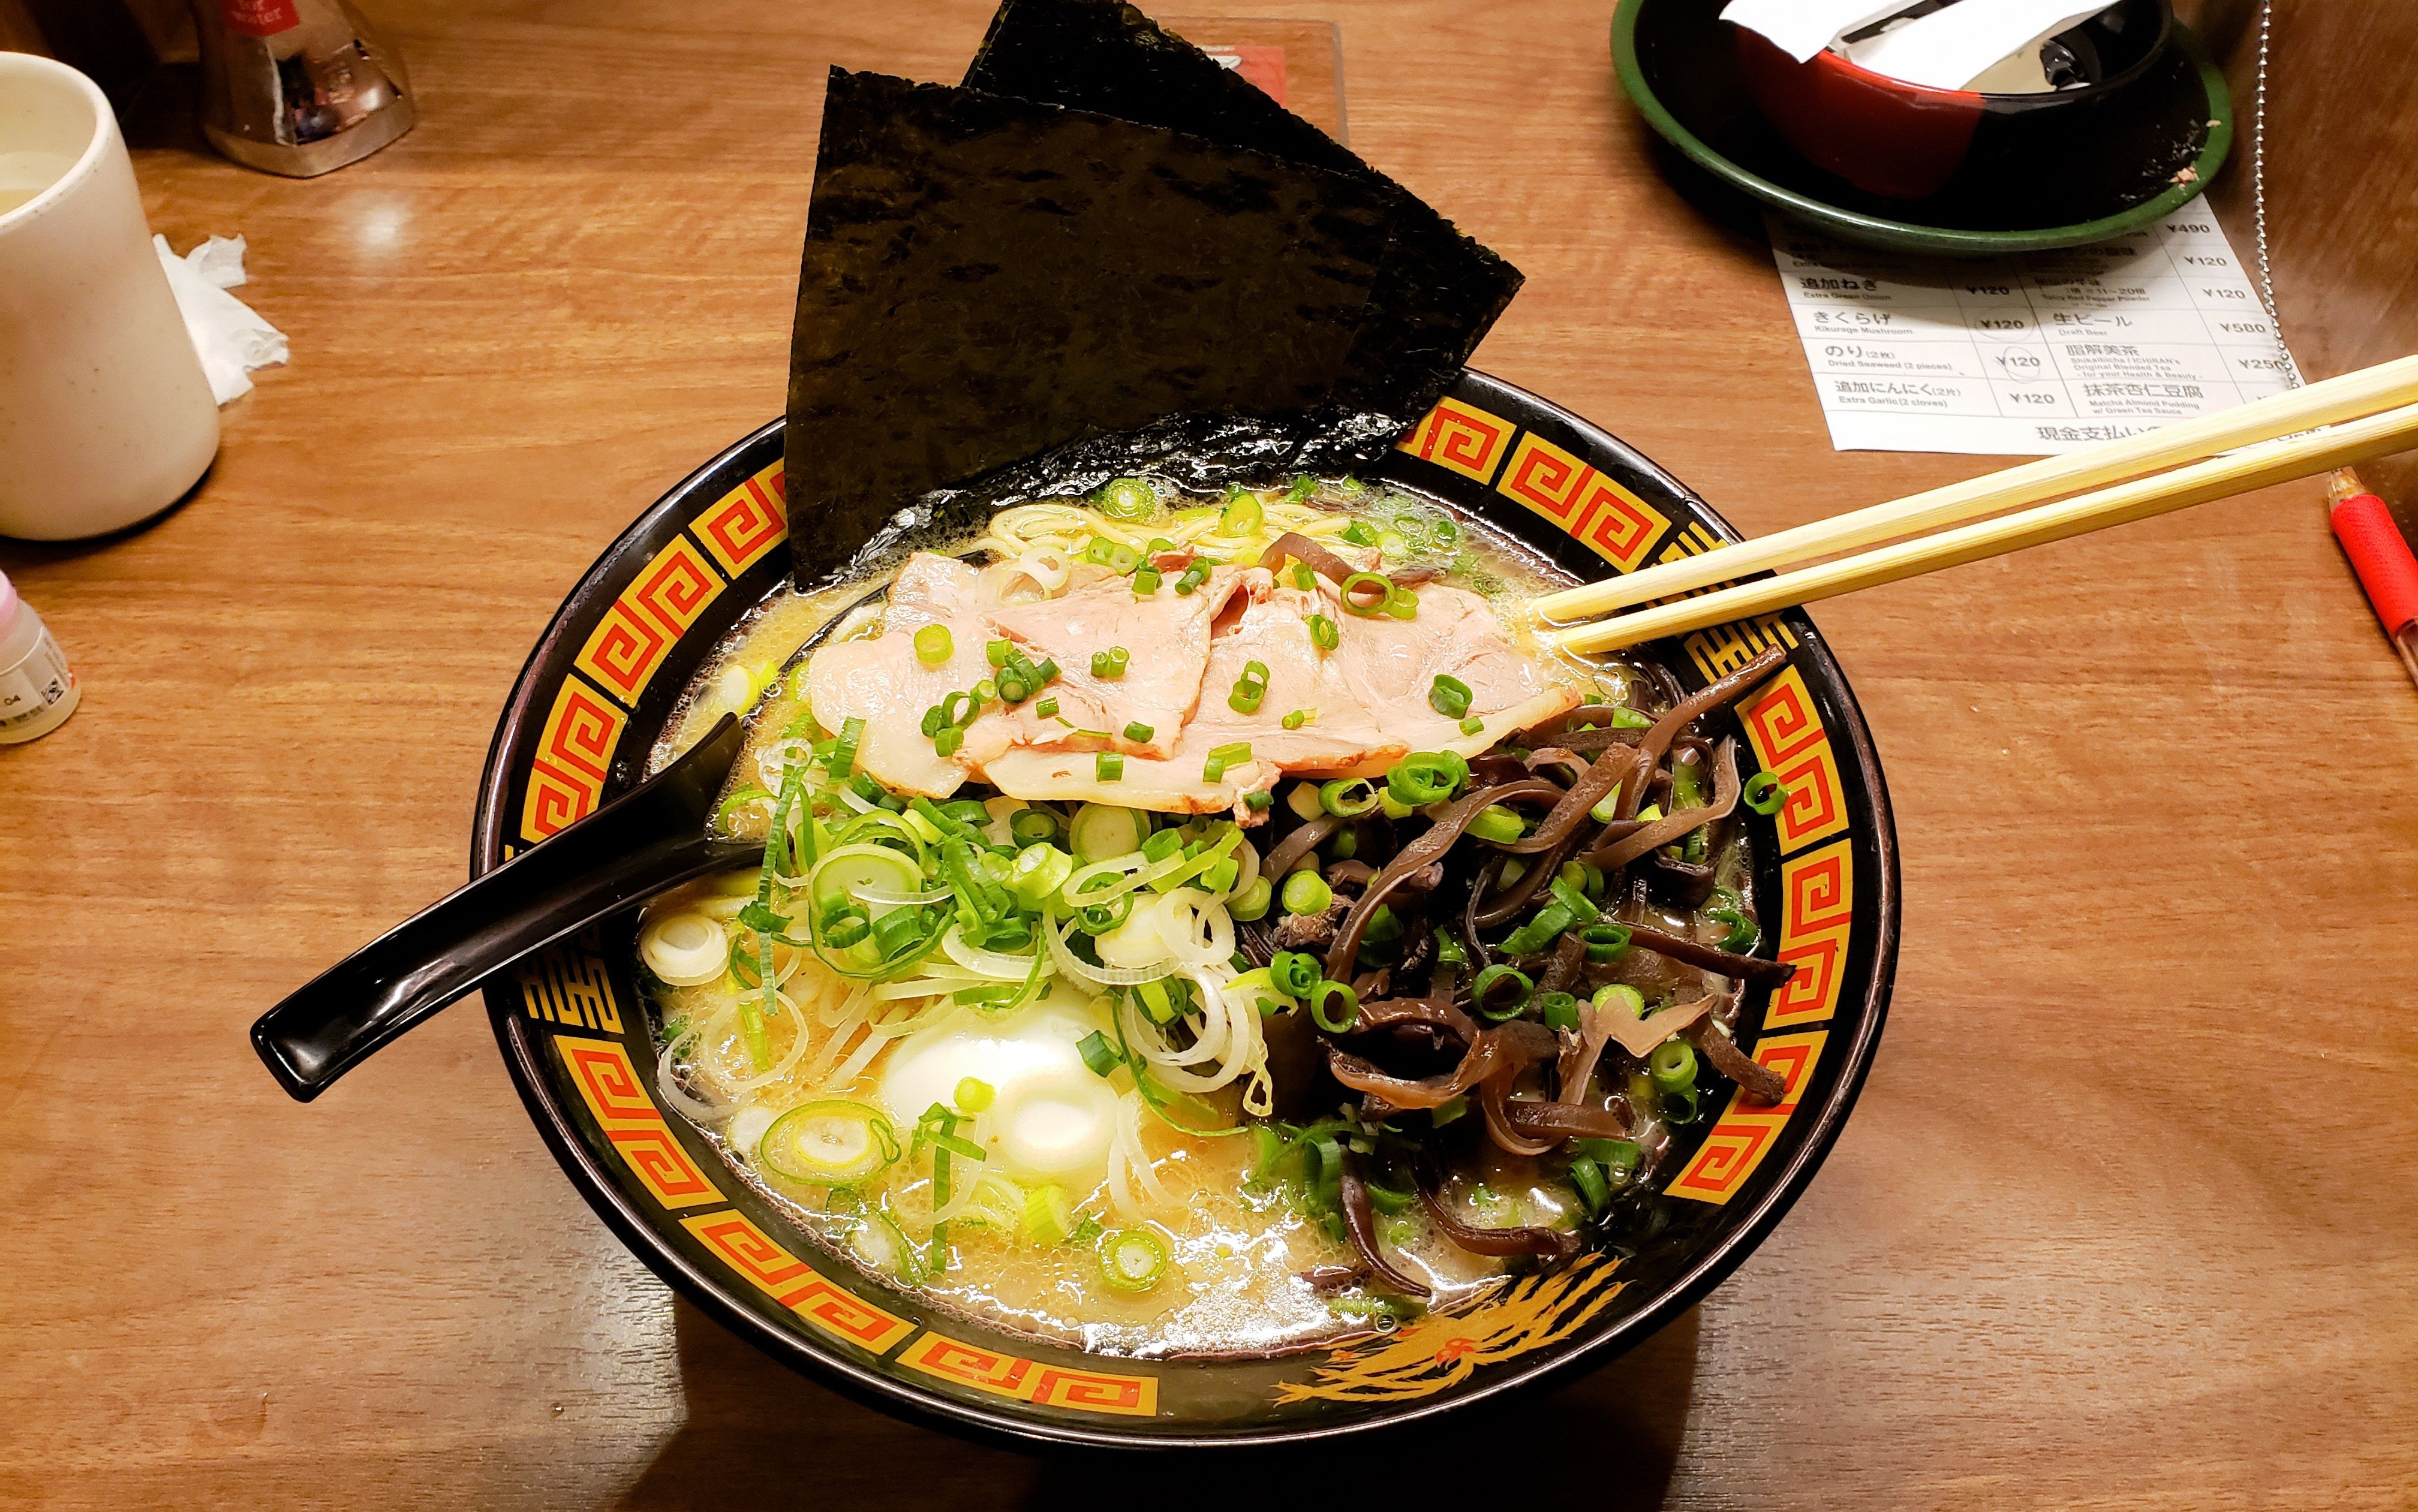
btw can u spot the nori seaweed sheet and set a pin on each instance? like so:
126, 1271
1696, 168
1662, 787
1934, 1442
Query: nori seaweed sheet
1439, 290
990, 280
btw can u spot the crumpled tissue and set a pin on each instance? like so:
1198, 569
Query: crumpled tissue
230, 337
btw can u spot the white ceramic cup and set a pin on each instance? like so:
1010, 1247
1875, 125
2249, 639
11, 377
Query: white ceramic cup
105, 417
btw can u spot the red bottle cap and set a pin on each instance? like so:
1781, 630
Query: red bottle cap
2380, 556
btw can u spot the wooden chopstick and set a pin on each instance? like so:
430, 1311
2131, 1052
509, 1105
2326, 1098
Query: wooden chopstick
2235, 472
2387, 386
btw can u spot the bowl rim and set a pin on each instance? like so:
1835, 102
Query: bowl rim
870, 1387
1912, 235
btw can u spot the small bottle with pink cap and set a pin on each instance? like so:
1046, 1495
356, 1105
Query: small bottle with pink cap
37, 692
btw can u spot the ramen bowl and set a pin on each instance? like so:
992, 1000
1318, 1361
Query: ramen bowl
610, 673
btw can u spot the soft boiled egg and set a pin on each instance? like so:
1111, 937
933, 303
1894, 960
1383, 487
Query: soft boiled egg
1051, 1118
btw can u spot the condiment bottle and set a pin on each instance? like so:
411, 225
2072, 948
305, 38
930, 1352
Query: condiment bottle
37, 692
297, 87
2383, 559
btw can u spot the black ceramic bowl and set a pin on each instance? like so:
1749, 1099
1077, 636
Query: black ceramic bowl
605, 679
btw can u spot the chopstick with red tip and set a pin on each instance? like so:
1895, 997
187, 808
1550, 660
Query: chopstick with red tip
2381, 557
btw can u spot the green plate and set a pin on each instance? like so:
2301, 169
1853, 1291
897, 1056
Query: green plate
1684, 80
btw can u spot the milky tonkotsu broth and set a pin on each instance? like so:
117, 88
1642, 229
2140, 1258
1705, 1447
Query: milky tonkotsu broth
1249, 1265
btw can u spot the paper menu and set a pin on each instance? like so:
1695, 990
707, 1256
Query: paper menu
2027, 355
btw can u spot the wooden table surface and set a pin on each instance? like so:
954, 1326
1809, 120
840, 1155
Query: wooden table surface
2124, 1217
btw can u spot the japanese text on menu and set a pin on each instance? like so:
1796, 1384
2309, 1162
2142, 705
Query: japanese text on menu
2038, 353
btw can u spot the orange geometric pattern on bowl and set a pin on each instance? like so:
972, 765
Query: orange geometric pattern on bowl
794, 1284
575, 751
1749, 1126
1817, 893
1002, 1374
1790, 743
745, 524
666, 598
609, 1083
1460, 437
1582, 502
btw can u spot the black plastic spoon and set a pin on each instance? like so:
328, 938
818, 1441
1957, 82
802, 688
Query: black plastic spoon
650, 838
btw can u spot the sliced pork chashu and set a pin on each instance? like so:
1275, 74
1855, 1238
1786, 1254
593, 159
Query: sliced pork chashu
881, 679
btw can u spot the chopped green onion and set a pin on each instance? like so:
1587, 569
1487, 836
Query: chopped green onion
1604, 941
834, 1142
1628, 997
1193, 577
1303, 578
1672, 1065
1326, 992
1145, 582
1509, 1007
1359, 535
1347, 797
1559, 1010
1132, 1260
1295, 720
1161, 844
1573, 899
843, 756
1039, 871
1765, 793
1471, 725
946, 743
1593, 1189
1498, 824
1449, 950
1138, 732
1449, 696
1364, 583
1242, 515
974, 1095
1625, 718
1743, 933
1102, 830
986, 691
933, 644
1540, 932
895, 930
996, 652
1046, 709
731, 806
1323, 632
1109, 767
1402, 604
1111, 665
1294, 973
1253, 903
1307, 891
1049, 1217
1424, 777
1127, 499
1258, 799
1098, 1054
1231, 754
1031, 825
